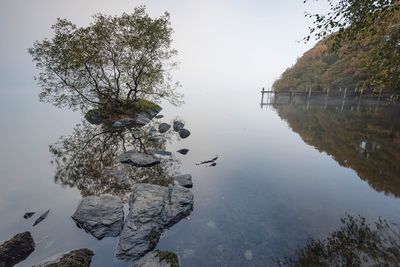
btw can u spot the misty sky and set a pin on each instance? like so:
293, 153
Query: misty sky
226, 43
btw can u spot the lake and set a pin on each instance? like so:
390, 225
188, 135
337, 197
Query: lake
285, 172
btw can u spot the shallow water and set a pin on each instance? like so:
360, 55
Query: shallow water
283, 173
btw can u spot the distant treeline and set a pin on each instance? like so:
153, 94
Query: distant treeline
368, 61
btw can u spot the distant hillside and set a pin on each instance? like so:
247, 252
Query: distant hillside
367, 61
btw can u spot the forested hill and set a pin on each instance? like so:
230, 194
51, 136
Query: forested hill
366, 61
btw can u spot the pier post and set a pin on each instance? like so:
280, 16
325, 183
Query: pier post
262, 97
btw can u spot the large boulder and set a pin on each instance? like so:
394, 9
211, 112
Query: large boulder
153, 208
138, 159
102, 216
74, 258
17, 249
184, 180
158, 259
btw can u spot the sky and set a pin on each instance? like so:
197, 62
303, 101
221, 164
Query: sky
228, 43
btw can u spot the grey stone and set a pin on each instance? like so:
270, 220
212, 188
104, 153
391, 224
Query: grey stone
184, 180
27, 215
183, 151
123, 122
73, 258
153, 208
102, 216
163, 127
17, 249
184, 133
157, 259
178, 126
138, 159
41, 218
141, 119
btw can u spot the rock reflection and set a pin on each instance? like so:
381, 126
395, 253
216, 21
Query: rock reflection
356, 243
362, 135
88, 159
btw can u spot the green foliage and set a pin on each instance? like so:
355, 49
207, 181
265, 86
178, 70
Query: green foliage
356, 243
113, 61
365, 36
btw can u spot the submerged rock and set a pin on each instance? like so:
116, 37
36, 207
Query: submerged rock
102, 216
183, 151
178, 126
184, 180
27, 215
184, 133
41, 218
163, 127
17, 249
158, 259
138, 159
152, 209
73, 258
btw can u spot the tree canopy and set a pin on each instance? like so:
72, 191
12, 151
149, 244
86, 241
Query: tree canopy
359, 46
113, 61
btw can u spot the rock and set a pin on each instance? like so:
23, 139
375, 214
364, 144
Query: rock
184, 133
183, 151
73, 258
158, 259
159, 116
248, 255
184, 180
152, 131
123, 122
102, 216
41, 218
161, 153
136, 119
178, 126
27, 215
152, 209
16, 249
93, 116
163, 127
141, 119
138, 159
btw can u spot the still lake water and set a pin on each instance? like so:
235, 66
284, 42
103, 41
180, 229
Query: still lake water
284, 173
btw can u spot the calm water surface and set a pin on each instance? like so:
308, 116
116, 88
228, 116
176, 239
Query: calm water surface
284, 173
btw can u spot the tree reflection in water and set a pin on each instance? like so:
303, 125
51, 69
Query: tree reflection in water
356, 243
358, 135
88, 159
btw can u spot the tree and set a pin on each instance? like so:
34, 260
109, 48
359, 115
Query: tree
370, 25
112, 62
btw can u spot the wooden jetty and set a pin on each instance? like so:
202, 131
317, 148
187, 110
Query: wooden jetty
272, 95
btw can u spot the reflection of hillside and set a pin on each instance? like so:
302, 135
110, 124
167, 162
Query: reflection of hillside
88, 160
367, 140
